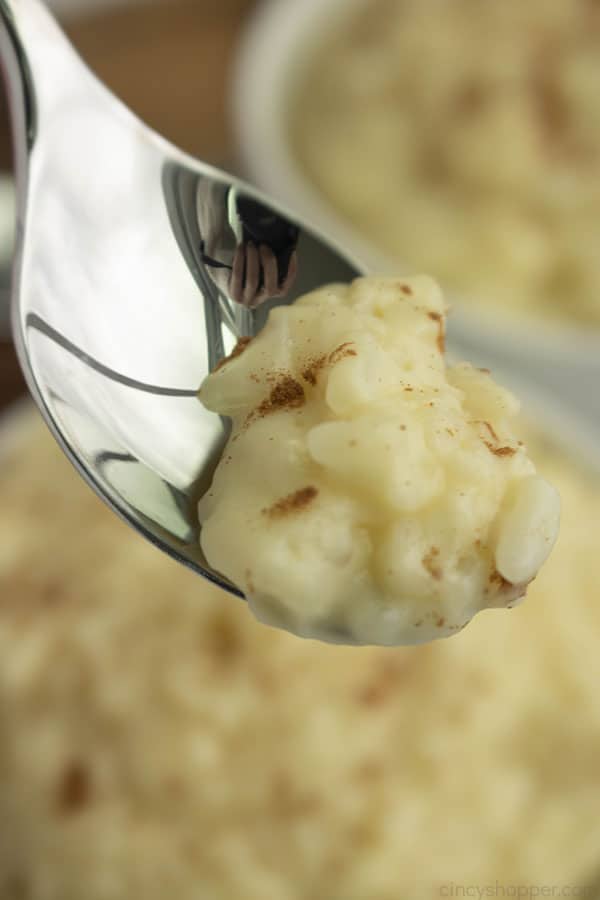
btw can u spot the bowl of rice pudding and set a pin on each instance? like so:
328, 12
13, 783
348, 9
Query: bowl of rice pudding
156, 740
456, 138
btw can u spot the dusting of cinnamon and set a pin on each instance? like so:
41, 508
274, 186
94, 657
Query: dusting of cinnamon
237, 351
406, 290
341, 352
441, 338
431, 563
491, 431
500, 451
311, 372
493, 447
314, 367
287, 393
295, 502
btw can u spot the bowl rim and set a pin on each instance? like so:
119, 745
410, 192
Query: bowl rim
269, 61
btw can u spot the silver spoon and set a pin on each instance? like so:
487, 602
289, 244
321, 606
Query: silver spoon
134, 272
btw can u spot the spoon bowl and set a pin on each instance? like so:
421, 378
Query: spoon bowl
137, 268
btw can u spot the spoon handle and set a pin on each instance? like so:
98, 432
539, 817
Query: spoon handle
37, 60
40, 66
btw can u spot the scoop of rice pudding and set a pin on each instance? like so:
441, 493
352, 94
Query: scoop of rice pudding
369, 493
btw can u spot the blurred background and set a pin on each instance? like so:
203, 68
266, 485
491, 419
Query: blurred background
170, 61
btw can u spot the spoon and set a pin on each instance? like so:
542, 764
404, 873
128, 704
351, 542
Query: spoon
137, 268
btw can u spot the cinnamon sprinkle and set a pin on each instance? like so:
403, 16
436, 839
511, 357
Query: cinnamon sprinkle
431, 564
237, 351
493, 448
295, 502
500, 451
441, 338
287, 393
311, 372
491, 430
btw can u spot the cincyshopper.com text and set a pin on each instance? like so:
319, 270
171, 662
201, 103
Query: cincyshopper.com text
457, 891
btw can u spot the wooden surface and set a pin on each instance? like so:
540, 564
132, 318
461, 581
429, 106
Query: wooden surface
171, 63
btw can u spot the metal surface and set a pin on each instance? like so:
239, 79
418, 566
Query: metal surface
130, 257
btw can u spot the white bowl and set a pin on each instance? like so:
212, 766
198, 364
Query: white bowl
273, 55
